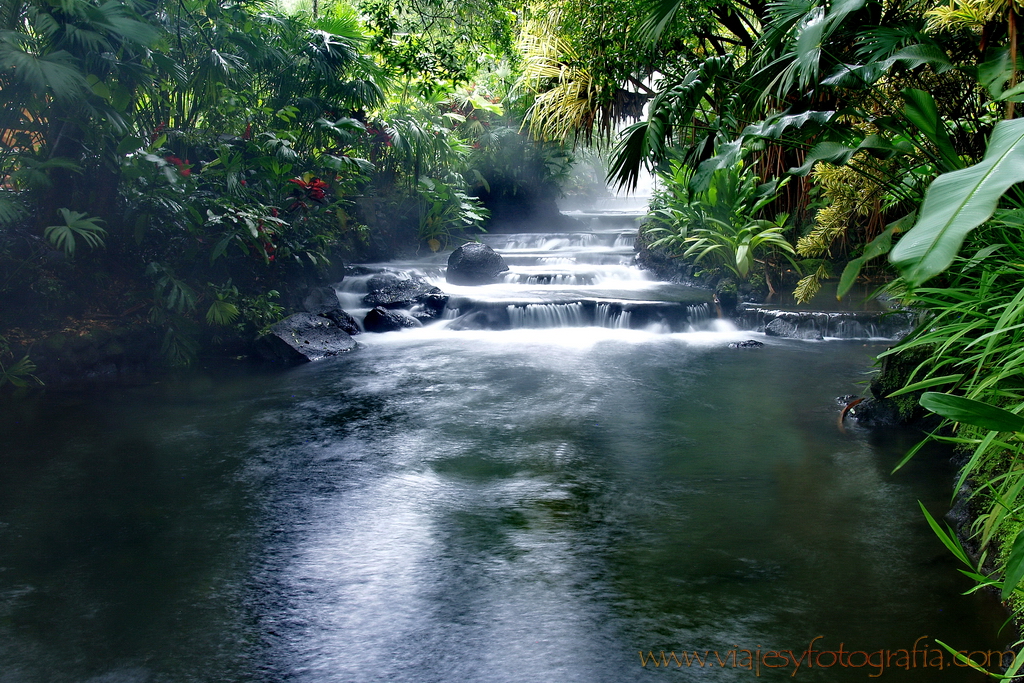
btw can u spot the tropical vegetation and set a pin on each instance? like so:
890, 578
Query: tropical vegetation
186, 162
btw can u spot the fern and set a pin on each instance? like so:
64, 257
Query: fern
76, 226
19, 374
222, 313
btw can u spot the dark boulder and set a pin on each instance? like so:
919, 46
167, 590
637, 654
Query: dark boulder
474, 264
320, 299
393, 291
727, 298
382, 319
342, 319
874, 412
304, 337
748, 344
323, 301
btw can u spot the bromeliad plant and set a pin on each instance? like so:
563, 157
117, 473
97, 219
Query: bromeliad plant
445, 209
720, 225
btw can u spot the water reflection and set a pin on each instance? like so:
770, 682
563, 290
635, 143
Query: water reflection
487, 506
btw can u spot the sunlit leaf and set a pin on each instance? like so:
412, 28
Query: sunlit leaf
972, 412
958, 202
1014, 571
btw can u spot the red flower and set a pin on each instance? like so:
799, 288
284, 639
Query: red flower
315, 189
182, 165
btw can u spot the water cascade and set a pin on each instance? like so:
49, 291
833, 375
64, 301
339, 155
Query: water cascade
588, 278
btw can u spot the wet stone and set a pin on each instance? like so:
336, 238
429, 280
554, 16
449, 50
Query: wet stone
475, 264
304, 337
381, 319
748, 344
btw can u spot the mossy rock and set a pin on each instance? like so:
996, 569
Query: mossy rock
894, 374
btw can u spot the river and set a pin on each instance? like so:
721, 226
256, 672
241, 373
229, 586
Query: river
536, 504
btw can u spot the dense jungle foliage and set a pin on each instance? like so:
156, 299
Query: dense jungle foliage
185, 162
178, 164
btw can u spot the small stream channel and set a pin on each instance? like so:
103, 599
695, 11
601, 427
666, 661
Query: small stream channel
599, 475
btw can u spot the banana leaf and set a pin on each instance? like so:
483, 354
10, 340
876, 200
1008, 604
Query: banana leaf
958, 202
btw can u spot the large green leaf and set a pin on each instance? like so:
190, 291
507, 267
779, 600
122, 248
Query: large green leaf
659, 15
839, 153
972, 412
775, 126
812, 35
1014, 571
958, 202
911, 57
920, 108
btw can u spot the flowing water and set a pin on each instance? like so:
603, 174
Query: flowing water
601, 477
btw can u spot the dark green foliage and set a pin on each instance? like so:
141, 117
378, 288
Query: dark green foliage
721, 226
439, 41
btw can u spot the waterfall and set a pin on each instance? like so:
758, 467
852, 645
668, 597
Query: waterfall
546, 315
699, 313
604, 316
827, 324
626, 240
570, 279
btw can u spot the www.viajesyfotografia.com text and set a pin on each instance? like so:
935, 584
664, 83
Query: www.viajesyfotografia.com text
816, 656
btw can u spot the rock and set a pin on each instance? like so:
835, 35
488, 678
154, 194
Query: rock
727, 299
55, 343
874, 412
393, 291
430, 306
320, 299
304, 337
784, 328
323, 301
343, 319
474, 264
382, 319
748, 344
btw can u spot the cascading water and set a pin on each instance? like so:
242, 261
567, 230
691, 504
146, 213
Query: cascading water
588, 279
572, 280
546, 315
